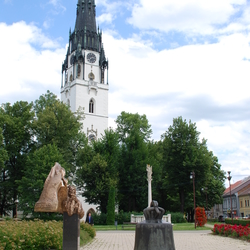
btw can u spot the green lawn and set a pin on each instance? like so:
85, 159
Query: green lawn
177, 226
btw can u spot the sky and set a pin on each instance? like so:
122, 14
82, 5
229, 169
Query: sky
167, 58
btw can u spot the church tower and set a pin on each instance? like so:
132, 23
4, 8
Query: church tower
85, 71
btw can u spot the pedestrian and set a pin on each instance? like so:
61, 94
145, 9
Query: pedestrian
89, 219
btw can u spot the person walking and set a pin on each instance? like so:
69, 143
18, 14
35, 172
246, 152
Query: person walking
89, 219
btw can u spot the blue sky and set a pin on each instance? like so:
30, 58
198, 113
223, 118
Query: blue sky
167, 58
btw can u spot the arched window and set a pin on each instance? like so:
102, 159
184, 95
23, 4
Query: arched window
68, 102
91, 106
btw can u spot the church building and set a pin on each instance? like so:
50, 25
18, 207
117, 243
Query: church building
85, 71
85, 76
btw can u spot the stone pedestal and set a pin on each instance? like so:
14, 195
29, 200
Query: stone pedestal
71, 232
154, 236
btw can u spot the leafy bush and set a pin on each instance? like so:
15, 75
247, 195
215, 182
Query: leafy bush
99, 219
88, 228
177, 217
123, 217
237, 222
31, 235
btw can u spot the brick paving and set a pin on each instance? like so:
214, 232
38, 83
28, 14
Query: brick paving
184, 240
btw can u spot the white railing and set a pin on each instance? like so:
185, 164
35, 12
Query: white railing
140, 218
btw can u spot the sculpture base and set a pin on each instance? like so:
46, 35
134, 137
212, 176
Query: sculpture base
154, 236
71, 232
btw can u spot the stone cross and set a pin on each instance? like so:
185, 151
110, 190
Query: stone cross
149, 170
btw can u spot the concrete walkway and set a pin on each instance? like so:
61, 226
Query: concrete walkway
184, 240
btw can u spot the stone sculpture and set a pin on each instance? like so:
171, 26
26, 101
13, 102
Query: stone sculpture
154, 213
57, 196
72, 204
153, 234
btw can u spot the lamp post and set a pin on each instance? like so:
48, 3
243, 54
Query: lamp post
229, 178
192, 176
206, 201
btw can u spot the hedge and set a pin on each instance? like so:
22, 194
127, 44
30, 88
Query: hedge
100, 219
237, 222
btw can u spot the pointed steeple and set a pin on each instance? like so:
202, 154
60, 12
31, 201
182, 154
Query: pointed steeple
85, 16
85, 31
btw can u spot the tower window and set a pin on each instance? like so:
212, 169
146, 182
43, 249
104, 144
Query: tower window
91, 106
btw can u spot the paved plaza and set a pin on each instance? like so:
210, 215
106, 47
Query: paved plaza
184, 240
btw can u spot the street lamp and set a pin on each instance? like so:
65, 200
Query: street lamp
229, 178
192, 176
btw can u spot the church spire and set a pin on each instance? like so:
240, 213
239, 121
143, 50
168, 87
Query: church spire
85, 31
85, 16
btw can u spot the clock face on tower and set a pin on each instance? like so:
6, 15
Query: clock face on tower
91, 57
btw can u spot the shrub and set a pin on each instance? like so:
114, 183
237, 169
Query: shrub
31, 235
123, 217
177, 217
100, 219
237, 222
201, 217
88, 228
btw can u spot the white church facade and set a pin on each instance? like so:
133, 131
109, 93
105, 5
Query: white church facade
85, 72
85, 76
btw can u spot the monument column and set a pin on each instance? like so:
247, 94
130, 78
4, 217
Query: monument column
149, 170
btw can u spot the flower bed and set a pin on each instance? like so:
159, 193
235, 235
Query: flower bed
234, 231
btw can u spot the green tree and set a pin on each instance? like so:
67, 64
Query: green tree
37, 169
111, 207
95, 181
108, 150
183, 154
3, 152
108, 147
16, 123
56, 124
134, 133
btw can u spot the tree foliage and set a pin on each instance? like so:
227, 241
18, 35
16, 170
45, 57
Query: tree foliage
30, 133
37, 169
185, 153
111, 207
16, 125
97, 169
134, 132
56, 124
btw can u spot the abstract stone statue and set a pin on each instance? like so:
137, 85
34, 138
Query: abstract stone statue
57, 196
72, 204
153, 234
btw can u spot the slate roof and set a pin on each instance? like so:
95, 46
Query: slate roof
237, 187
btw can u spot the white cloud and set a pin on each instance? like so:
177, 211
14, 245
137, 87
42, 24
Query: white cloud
31, 63
105, 18
211, 69
189, 16
207, 83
